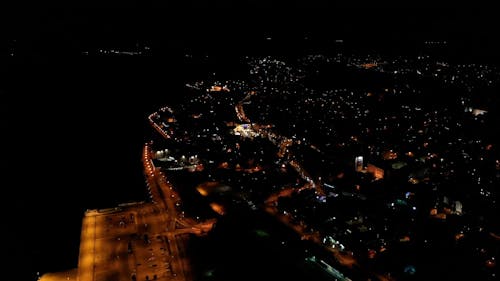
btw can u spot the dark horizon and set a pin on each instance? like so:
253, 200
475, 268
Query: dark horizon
64, 31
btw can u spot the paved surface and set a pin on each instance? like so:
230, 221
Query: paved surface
138, 242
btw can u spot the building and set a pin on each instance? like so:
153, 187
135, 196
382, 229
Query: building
358, 163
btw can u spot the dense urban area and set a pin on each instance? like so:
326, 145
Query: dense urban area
344, 166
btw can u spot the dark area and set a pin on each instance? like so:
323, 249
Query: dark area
234, 250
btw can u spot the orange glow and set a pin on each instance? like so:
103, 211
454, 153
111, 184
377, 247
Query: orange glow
202, 191
206, 188
404, 239
217, 88
389, 155
345, 259
496, 236
434, 211
57, 276
413, 181
200, 167
377, 172
255, 169
369, 65
372, 254
441, 216
219, 209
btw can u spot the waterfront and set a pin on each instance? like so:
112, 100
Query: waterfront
62, 170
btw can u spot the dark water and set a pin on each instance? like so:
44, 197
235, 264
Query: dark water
75, 133
73, 128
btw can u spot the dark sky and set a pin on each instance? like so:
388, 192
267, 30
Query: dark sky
63, 29
229, 19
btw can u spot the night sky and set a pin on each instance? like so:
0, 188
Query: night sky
51, 173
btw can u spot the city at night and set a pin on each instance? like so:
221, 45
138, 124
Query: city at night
192, 142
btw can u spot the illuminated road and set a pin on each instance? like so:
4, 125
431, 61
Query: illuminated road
138, 241
159, 127
117, 244
146, 241
165, 195
283, 144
